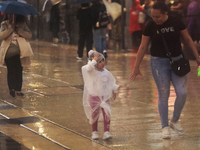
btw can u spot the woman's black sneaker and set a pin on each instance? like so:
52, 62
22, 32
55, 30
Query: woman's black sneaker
12, 93
20, 94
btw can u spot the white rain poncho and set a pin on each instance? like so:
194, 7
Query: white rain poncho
99, 84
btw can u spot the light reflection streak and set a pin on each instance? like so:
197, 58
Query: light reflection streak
37, 93
118, 145
40, 128
36, 85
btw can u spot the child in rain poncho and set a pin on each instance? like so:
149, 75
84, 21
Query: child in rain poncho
99, 87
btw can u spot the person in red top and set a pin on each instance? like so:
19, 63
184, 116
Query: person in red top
135, 28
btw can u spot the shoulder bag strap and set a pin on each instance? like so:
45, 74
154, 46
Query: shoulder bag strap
165, 45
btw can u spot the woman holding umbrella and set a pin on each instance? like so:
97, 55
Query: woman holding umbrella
12, 29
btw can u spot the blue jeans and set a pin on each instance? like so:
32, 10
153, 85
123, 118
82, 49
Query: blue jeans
100, 39
163, 74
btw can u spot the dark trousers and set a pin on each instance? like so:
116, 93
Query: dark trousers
84, 38
14, 74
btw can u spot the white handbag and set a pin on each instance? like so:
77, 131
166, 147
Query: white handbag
25, 47
141, 17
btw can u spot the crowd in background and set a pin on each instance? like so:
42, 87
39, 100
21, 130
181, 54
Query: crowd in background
187, 11
54, 21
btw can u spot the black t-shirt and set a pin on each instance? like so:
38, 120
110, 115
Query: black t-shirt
171, 31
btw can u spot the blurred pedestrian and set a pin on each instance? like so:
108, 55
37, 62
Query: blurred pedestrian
84, 16
99, 87
46, 8
44, 21
64, 35
55, 21
14, 28
147, 9
115, 12
177, 9
135, 28
99, 31
172, 29
193, 21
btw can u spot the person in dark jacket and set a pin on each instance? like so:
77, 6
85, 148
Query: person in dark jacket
55, 21
99, 32
85, 29
193, 21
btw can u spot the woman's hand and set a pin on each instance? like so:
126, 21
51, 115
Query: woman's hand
141, 52
134, 74
198, 61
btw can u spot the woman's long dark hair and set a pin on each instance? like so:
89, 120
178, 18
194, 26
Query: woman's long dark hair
19, 18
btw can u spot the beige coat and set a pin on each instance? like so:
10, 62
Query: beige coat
6, 36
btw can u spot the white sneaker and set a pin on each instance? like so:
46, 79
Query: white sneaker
177, 127
79, 58
166, 133
95, 135
107, 135
54, 44
105, 53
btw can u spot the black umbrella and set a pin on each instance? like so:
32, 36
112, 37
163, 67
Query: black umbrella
81, 1
15, 7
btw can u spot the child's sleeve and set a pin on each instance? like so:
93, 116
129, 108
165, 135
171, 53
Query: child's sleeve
115, 87
91, 65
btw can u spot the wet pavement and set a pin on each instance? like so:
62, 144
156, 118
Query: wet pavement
50, 116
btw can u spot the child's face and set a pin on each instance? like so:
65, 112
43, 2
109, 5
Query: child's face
101, 64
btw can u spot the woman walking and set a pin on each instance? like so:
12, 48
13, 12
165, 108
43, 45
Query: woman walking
172, 29
12, 29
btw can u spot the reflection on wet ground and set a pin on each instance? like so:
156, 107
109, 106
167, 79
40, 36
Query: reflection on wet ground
51, 116
6, 143
20, 120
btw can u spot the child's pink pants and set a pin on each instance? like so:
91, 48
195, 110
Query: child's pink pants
94, 100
